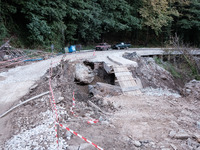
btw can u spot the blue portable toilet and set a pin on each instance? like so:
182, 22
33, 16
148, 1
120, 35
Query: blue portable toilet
72, 48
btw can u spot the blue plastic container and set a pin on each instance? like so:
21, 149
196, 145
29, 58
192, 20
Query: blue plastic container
72, 48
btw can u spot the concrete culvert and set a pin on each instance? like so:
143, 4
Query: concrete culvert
102, 84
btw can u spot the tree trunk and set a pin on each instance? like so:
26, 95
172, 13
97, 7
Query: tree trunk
147, 37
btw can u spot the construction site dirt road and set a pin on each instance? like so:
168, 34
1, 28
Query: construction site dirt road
147, 111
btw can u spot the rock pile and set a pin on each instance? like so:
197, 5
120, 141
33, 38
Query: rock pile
153, 75
39, 137
192, 89
150, 73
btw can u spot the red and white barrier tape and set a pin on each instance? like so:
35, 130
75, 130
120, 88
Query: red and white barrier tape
88, 141
55, 127
10, 60
55, 123
52, 94
56, 134
53, 99
53, 103
74, 102
73, 105
12, 64
93, 121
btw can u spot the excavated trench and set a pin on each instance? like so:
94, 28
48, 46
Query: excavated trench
28, 116
63, 81
38, 112
100, 75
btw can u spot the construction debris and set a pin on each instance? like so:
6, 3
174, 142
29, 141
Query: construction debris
104, 90
192, 90
122, 121
5, 46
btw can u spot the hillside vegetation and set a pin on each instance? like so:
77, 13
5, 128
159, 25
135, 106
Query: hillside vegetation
36, 23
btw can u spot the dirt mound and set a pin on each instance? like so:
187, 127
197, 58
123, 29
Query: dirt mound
126, 122
29, 120
151, 74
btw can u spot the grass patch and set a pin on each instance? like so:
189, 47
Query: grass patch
185, 70
169, 67
172, 70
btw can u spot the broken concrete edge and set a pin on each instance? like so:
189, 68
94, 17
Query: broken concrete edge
108, 68
125, 62
104, 89
118, 63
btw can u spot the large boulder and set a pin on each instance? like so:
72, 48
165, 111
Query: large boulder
103, 89
192, 89
83, 74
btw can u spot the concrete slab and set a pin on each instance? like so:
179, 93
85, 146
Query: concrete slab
126, 80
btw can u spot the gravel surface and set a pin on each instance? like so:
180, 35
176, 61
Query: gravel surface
137, 122
160, 92
41, 137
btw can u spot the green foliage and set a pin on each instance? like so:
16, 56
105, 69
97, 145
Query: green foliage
193, 68
158, 60
45, 20
42, 23
89, 20
190, 15
3, 31
117, 15
156, 14
169, 67
172, 70
6, 10
38, 30
188, 23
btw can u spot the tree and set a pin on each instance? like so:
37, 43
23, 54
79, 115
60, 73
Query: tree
90, 20
6, 12
41, 23
188, 23
38, 21
117, 17
82, 20
45, 20
156, 14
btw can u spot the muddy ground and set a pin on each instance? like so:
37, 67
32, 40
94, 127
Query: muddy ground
153, 120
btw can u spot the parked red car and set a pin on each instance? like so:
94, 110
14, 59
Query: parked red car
103, 46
